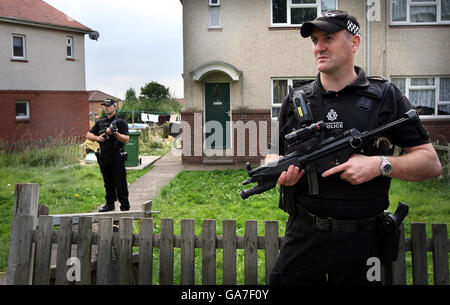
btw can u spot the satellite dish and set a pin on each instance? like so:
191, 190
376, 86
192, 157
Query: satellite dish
94, 35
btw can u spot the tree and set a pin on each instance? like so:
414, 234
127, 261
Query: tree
130, 95
154, 90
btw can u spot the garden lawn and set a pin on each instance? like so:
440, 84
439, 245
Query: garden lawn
73, 189
215, 195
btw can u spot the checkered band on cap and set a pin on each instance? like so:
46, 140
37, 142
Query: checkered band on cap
353, 28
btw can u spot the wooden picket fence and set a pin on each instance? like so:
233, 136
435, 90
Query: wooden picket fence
33, 235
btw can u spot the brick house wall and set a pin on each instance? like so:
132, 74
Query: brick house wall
193, 144
52, 114
439, 130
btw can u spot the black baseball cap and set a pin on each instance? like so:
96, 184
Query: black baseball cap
109, 102
331, 22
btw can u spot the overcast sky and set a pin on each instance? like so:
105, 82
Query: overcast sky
140, 41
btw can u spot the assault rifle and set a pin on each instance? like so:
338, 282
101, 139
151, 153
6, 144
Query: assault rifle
314, 155
106, 125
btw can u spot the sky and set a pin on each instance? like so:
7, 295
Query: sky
140, 41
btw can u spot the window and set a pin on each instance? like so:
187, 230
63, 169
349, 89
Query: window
22, 110
415, 12
215, 17
279, 92
18, 47
214, 2
296, 12
69, 42
430, 95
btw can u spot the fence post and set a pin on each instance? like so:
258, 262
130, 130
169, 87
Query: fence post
187, 252
419, 253
440, 253
399, 266
251, 253
146, 251
271, 246
21, 250
229, 252
166, 252
84, 248
209, 252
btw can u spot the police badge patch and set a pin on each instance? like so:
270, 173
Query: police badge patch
332, 116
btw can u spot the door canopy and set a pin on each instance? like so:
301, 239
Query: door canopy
216, 66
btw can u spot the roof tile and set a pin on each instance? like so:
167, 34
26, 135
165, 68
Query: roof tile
37, 11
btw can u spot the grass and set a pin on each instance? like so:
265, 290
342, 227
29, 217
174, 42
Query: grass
215, 195
74, 189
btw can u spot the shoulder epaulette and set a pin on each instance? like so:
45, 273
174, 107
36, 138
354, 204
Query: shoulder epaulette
302, 82
377, 77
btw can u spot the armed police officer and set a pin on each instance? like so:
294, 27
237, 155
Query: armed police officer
331, 235
112, 134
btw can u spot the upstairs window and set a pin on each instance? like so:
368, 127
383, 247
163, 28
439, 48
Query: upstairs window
296, 12
414, 12
215, 17
18, 47
69, 43
22, 110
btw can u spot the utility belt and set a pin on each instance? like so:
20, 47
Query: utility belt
122, 152
386, 224
334, 224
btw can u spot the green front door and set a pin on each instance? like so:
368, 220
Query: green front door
217, 116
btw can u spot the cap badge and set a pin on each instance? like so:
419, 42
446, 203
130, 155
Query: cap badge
353, 28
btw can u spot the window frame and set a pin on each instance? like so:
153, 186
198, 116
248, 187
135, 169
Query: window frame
290, 5
435, 87
23, 37
69, 45
211, 9
290, 82
214, 4
409, 3
27, 115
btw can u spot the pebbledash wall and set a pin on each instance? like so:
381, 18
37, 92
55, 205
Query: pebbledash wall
52, 114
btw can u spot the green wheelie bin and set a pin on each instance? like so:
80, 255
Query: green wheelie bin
132, 148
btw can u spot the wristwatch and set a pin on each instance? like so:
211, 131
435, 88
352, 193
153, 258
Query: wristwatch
385, 167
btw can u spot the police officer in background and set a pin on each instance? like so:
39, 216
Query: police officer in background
112, 134
330, 236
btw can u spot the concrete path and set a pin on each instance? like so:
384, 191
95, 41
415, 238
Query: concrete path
165, 169
148, 186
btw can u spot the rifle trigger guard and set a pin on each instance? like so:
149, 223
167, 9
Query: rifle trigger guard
355, 142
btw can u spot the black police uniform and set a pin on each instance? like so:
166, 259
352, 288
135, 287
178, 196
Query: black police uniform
316, 251
112, 163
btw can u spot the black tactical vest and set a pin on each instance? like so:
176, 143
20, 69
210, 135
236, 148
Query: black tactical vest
353, 107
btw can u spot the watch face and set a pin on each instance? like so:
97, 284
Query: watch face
387, 168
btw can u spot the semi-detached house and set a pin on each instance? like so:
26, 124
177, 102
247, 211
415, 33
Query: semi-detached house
241, 55
42, 76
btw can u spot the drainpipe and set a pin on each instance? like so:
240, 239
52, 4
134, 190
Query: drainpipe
368, 2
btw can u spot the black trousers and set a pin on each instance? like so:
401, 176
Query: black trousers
312, 257
114, 174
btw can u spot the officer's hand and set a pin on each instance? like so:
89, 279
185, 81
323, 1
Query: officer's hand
271, 158
108, 131
291, 176
100, 138
357, 170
